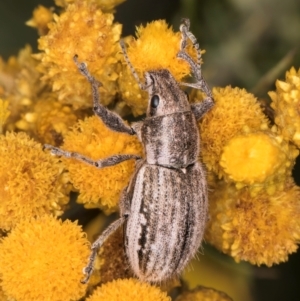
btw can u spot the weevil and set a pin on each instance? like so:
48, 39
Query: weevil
164, 207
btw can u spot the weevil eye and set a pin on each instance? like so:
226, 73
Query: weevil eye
154, 101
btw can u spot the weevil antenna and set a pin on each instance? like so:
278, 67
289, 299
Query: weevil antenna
134, 73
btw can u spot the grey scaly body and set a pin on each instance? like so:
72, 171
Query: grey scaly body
165, 205
162, 250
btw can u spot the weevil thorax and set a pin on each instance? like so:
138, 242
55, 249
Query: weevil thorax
169, 133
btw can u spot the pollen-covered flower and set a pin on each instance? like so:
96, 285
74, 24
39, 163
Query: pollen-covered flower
260, 229
202, 293
99, 187
156, 47
85, 30
261, 159
286, 102
104, 5
235, 112
42, 16
31, 182
42, 259
128, 290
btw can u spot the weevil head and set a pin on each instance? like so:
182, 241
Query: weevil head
165, 95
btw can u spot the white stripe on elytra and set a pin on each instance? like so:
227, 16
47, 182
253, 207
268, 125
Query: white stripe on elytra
134, 229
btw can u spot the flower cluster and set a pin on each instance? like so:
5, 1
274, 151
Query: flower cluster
85, 30
251, 164
261, 229
254, 202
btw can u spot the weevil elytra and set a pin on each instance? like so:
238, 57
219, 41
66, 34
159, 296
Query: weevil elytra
164, 207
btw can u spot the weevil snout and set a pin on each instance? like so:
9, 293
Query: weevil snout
165, 95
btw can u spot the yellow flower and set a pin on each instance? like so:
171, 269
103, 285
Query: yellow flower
99, 187
40, 19
235, 112
19, 84
132, 95
49, 120
42, 259
3, 297
128, 289
202, 293
53, 120
4, 113
261, 229
262, 158
286, 102
91, 34
105, 5
31, 182
156, 47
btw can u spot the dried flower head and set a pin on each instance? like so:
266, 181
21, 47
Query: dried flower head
42, 259
235, 112
99, 187
156, 47
85, 30
261, 229
286, 102
128, 289
31, 182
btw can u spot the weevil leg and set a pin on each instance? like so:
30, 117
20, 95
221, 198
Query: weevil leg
88, 270
125, 212
111, 119
124, 203
110, 161
201, 108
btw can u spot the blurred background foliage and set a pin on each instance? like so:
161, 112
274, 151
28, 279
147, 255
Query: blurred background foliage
248, 44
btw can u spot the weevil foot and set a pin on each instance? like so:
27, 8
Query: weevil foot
87, 271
